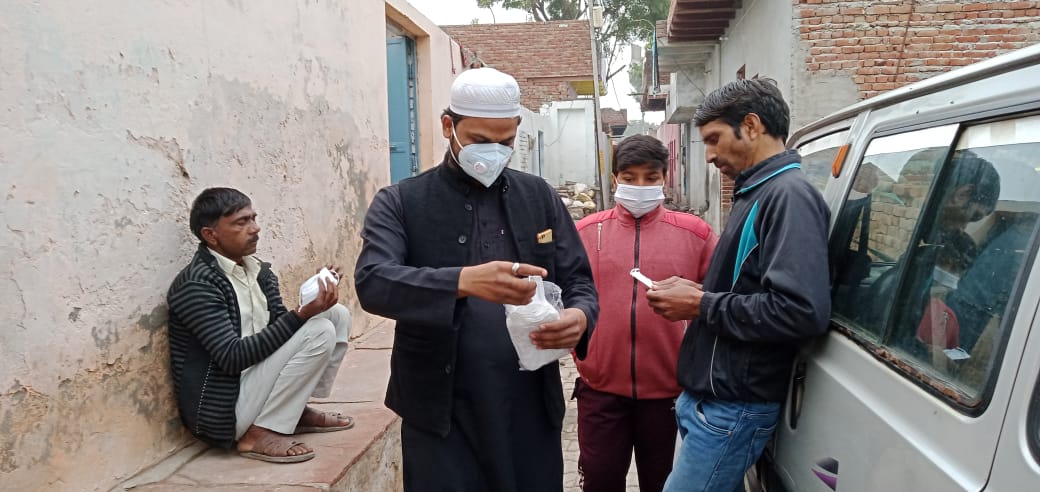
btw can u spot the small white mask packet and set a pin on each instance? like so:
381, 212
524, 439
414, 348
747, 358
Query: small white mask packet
309, 289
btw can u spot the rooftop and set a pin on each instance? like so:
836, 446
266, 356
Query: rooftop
531, 52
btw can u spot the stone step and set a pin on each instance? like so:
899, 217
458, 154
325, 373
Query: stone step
367, 457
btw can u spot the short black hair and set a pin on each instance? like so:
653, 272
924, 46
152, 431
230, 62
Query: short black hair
970, 169
455, 117
735, 100
640, 149
212, 204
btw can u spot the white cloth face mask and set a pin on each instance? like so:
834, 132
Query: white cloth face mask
639, 200
484, 162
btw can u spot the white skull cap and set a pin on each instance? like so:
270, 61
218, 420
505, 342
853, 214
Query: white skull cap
485, 93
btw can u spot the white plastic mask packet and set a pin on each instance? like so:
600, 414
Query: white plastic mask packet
522, 320
309, 289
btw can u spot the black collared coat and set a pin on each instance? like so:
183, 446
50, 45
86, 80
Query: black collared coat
415, 244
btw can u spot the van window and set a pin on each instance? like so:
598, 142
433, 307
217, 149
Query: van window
875, 226
818, 156
937, 295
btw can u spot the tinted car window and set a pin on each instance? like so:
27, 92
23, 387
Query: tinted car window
967, 265
874, 228
930, 254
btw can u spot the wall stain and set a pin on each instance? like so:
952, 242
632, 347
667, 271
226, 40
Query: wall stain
155, 324
126, 403
7, 445
156, 320
104, 336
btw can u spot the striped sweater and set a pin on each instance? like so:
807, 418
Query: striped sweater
207, 350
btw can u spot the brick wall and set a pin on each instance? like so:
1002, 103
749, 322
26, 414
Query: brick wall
727, 197
543, 56
883, 45
534, 92
894, 211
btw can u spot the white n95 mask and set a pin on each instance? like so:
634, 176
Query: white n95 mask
639, 200
484, 162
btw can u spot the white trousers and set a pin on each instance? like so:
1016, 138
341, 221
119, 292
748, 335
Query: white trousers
274, 392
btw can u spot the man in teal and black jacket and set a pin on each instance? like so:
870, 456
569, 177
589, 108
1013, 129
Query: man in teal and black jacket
766, 292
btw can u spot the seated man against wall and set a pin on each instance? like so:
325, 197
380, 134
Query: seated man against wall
243, 365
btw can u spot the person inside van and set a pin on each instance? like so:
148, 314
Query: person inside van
949, 224
936, 265
971, 195
983, 292
766, 292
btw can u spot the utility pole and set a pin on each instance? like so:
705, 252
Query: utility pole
595, 23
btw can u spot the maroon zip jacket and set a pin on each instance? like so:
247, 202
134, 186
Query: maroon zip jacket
634, 352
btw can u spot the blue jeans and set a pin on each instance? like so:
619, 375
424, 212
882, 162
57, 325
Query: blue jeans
720, 441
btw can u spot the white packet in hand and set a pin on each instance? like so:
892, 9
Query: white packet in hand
522, 320
309, 289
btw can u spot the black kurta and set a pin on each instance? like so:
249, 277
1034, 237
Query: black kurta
503, 429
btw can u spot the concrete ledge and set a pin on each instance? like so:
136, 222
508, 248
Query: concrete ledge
367, 457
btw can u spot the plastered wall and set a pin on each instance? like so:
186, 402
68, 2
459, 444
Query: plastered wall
570, 153
113, 116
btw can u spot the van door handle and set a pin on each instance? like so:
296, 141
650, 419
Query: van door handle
797, 393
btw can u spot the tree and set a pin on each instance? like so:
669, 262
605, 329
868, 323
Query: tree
625, 21
542, 10
635, 77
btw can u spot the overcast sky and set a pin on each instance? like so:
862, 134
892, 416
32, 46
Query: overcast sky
446, 12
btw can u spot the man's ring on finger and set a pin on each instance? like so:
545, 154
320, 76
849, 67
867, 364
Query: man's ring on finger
516, 268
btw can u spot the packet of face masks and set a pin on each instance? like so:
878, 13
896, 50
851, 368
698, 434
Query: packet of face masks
309, 289
522, 320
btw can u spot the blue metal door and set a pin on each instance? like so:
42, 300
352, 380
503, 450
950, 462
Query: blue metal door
400, 77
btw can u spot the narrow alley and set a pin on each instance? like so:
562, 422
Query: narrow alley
116, 116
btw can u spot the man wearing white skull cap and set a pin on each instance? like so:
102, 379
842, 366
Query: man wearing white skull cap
443, 252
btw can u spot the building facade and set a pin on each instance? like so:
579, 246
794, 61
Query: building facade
824, 55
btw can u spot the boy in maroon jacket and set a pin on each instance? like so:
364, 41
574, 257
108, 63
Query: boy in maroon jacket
627, 389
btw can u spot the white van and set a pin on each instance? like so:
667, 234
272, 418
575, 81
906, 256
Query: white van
928, 380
